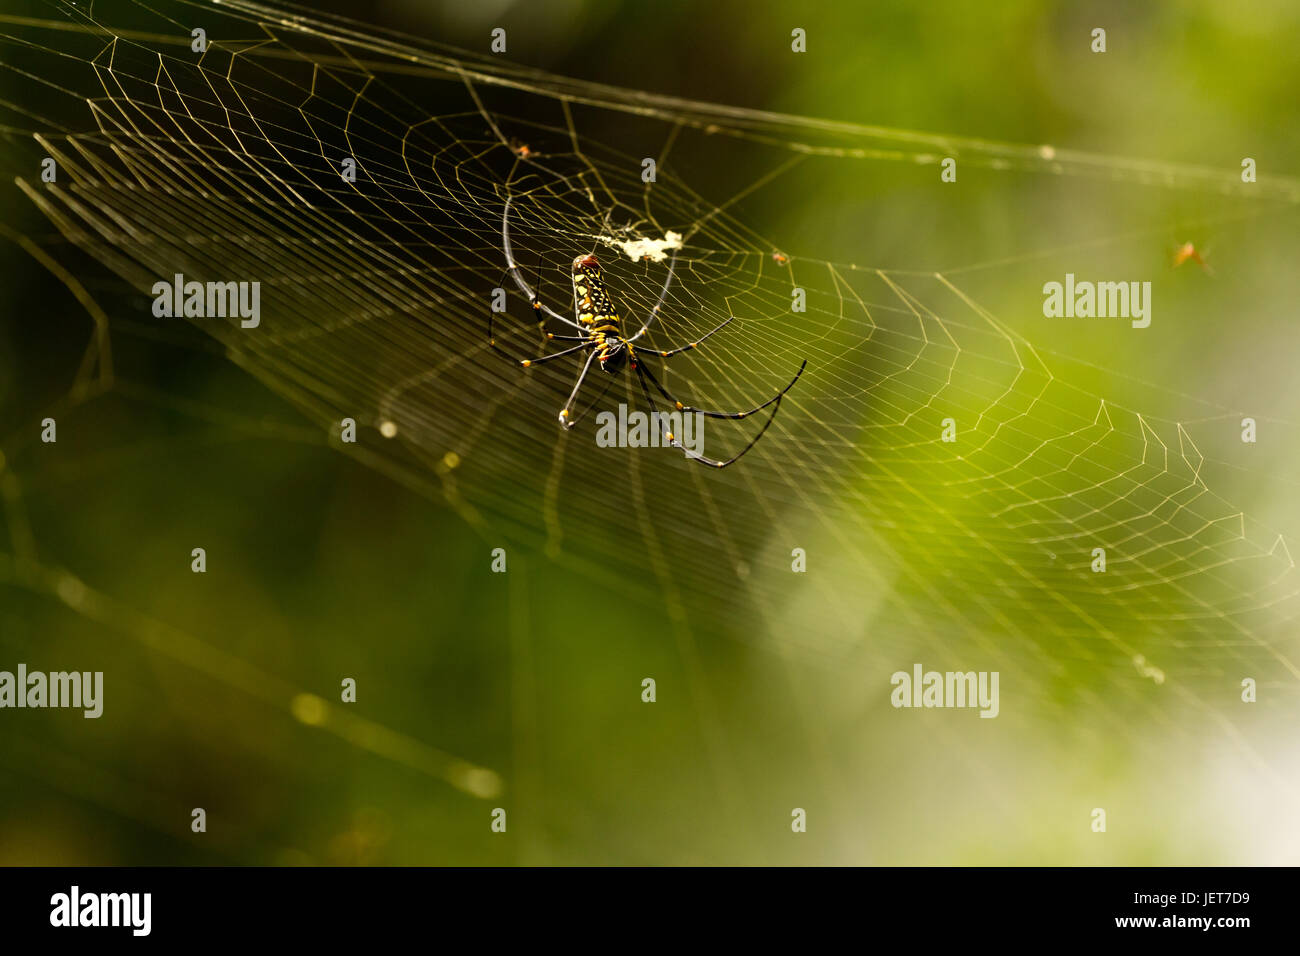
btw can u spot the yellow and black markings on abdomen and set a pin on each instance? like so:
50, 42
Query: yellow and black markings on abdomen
595, 308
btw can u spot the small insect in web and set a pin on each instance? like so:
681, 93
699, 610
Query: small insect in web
600, 336
1188, 252
523, 150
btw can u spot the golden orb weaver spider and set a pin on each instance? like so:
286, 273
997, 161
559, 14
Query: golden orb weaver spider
601, 336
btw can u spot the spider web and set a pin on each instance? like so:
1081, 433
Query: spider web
226, 165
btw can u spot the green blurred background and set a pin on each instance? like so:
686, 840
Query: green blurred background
320, 567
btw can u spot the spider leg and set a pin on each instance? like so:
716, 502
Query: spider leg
529, 363
595, 401
513, 269
641, 372
663, 293
564, 412
546, 336
686, 348
732, 415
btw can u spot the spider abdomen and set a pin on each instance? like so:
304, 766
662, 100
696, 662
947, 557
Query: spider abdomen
594, 306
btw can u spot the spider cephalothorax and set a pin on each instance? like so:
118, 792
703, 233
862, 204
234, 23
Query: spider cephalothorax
601, 336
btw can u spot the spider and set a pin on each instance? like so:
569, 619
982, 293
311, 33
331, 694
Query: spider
601, 337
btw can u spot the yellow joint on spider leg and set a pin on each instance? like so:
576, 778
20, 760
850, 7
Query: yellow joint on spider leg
526, 362
679, 405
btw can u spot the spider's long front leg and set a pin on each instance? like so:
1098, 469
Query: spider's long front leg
663, 293
513, 269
